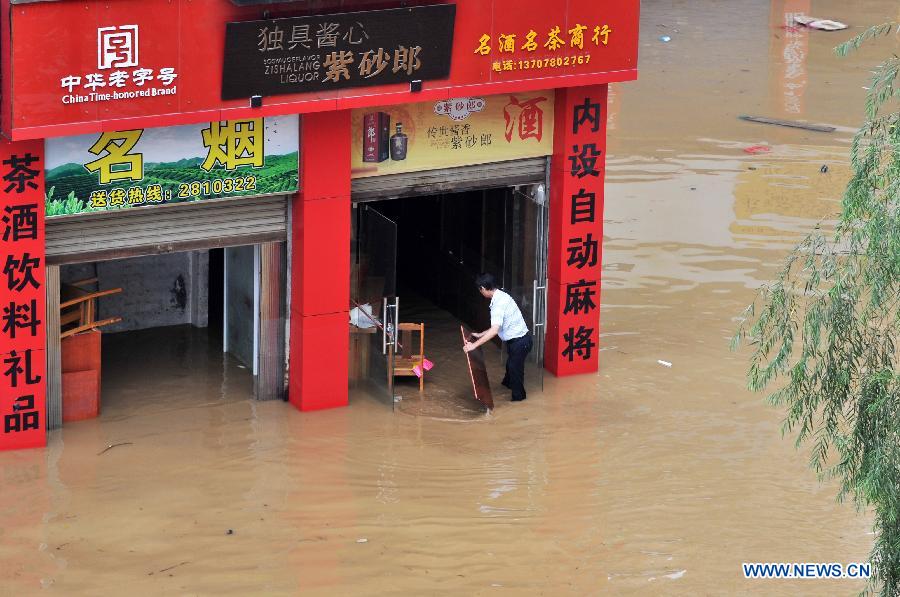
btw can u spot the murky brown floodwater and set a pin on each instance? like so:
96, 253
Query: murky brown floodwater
639, 480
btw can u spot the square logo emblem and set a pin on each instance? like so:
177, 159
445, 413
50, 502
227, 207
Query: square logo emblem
117, 47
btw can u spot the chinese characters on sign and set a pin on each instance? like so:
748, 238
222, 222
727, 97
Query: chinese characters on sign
460, 108
22, 300
553, 49
116, 170
525, 119
119, 74
577, 233
145, 48
323, 52
582, 245
452, 133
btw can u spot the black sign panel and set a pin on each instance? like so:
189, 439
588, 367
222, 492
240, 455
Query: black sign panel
324, 52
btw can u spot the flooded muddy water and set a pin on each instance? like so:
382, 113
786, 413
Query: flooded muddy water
641, 479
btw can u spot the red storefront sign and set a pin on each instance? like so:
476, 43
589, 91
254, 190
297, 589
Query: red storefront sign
80, 67
576, 231
23, 304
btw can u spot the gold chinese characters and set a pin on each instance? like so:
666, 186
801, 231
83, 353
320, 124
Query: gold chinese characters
553, 41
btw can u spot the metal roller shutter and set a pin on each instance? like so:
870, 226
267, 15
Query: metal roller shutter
451, 180
166, 229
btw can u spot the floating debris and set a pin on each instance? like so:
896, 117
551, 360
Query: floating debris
757, 149
820, 24
819, 128
111, 446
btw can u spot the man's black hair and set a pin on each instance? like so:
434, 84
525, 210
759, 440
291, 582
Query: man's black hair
486, 281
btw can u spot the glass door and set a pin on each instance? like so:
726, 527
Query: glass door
374, 303
526, 270
540, 200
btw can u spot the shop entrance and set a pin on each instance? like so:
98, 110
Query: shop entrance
149, 334
415, 260
177, 257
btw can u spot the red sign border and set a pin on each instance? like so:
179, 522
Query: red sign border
347, 99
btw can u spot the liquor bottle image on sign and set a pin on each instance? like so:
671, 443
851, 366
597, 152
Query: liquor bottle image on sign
399, 144
376, 129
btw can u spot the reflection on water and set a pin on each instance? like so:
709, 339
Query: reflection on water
642, 479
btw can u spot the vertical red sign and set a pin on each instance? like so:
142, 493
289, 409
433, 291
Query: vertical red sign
22, 296
576, 230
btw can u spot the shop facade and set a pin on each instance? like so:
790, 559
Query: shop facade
271, 155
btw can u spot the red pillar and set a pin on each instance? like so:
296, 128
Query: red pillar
23, 310
576, 230
320, 265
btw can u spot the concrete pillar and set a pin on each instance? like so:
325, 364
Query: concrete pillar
576, 231
320, 265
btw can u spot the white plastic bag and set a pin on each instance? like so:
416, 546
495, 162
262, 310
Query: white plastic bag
362, 316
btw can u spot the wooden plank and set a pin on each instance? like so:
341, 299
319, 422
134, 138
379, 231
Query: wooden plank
90, 297
819, 128
478, 373
90, 326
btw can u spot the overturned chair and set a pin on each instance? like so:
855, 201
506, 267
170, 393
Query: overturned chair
79, 306
81, 348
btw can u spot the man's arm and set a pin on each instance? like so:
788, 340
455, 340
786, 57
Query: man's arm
483, 337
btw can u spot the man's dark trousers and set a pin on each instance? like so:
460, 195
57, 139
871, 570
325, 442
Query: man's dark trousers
517, 351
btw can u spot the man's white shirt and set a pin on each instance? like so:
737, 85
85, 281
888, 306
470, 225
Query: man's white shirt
506, 315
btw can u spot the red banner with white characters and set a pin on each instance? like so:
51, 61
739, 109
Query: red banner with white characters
22, 296
576, 231
79, 67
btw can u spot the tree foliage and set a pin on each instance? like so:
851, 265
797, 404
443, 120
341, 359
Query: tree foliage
824, 334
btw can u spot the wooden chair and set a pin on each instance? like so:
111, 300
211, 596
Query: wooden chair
80, 347
78, 306
406, 362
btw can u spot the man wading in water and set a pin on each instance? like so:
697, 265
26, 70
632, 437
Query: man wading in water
506, 322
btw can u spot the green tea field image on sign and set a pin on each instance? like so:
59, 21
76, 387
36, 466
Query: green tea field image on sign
140, 168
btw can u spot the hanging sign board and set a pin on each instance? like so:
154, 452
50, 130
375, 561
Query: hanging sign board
23, 312
451, 133
124, 169
132, 63
327, 52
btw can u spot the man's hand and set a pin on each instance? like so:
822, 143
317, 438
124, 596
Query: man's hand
469, 347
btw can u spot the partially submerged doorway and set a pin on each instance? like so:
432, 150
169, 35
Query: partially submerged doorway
169, 330
415, 260
177, 228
